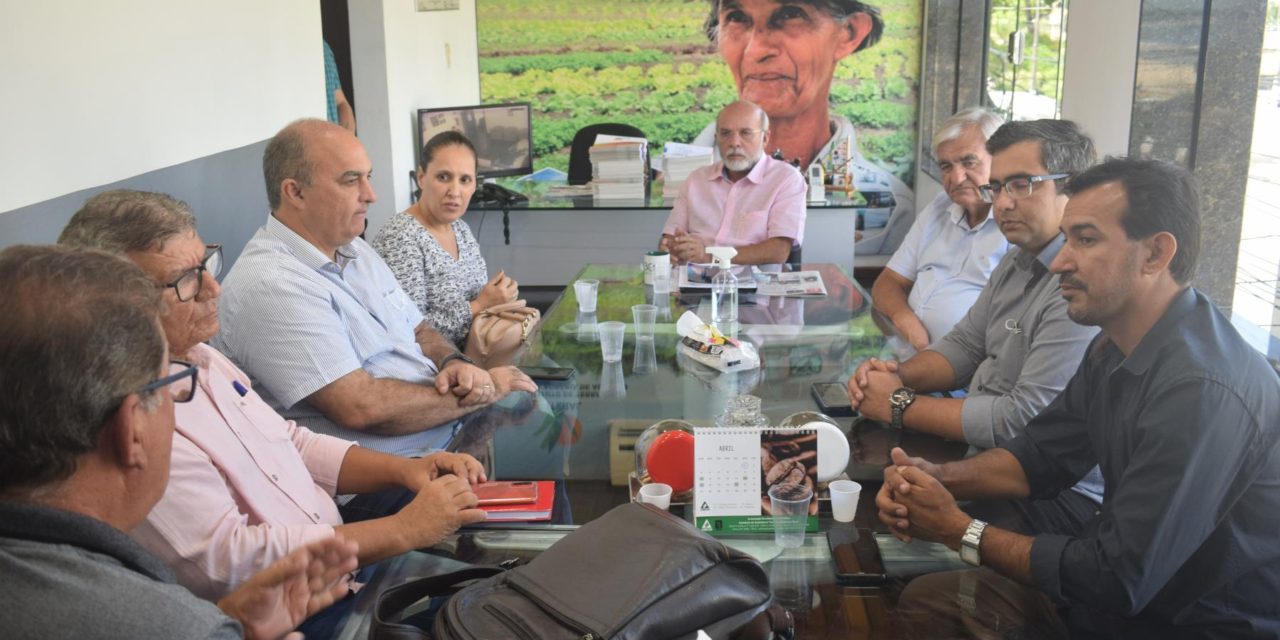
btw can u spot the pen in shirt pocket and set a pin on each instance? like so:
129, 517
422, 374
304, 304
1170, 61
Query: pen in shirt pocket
240, 389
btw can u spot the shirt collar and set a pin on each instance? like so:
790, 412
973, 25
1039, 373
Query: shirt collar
307, 253
50, 525
1164, 331
1050, 251
755, 176
959, 216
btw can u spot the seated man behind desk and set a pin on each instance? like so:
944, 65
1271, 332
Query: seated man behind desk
86, 418
1183, 417
314, 314
1016, 348
948, 255
747, 200
247, 486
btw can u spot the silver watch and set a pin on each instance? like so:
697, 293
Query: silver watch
971, 542
899, 400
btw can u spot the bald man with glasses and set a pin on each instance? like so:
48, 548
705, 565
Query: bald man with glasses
747, 200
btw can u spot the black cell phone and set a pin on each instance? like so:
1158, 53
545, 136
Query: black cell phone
548, 373
833, 399
856, 556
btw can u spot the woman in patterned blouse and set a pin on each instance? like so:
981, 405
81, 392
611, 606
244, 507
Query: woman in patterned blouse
431, 250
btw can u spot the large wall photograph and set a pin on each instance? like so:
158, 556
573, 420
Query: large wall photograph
668, 66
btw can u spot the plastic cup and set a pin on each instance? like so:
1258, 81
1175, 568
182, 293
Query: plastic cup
646, 358
844, 499
586, 290
789, 503
611, 334
613, 383
644, 315
656, 494
587, 327
661, 280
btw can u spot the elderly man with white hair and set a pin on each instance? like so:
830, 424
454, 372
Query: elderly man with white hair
948, 255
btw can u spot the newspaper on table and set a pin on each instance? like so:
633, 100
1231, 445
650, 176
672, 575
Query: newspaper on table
790, 283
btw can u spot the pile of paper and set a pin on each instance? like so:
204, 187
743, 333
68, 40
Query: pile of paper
618, 168
678, 161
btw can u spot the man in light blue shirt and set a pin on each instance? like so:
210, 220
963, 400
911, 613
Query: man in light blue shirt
314, 314
948, 255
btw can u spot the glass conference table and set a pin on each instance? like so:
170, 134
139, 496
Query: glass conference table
581, 432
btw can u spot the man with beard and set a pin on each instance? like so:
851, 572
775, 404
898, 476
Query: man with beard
747, 200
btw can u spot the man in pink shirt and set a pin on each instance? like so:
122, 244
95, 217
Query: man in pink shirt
246, 486
747, 200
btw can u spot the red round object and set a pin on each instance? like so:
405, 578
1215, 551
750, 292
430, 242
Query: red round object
670, 460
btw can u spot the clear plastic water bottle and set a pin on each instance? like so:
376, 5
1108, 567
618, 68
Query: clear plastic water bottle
724, 292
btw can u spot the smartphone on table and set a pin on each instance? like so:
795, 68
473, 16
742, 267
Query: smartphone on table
506, 492
856, 556
833, 399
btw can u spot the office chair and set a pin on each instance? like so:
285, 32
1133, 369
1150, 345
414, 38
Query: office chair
579, 151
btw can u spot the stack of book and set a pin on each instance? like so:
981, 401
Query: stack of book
678, 161
618, 168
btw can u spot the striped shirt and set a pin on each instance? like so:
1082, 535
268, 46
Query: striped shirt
296, 321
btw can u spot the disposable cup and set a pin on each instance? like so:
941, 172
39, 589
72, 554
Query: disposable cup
586, 290
611, 334
656, 494
660, 278
789, 503
844, 499
644, 315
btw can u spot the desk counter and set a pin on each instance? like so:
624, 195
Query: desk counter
545, 241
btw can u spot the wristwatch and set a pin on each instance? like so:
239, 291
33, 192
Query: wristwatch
899, 401
457, 355
970, 543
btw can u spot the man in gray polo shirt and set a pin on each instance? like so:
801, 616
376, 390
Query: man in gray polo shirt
1016, 348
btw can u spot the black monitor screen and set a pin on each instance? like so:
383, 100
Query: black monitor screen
500, 132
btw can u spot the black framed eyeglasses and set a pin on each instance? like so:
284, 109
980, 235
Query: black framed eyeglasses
191, 282
1017, 188
180, 389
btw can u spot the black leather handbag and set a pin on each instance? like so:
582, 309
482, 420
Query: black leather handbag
634, 573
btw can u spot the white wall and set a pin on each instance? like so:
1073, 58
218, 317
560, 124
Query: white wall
1102, 58
96, 92
404, 60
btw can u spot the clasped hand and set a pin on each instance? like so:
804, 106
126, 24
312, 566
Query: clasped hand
870, 387
499, 289
477, 387
913, 503
686, 247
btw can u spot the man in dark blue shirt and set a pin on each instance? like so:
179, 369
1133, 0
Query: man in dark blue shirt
1179, 412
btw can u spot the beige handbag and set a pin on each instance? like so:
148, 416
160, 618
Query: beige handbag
497, 333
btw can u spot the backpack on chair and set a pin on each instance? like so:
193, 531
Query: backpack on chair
634, 573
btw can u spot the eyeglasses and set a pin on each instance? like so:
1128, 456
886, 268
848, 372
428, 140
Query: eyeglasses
1017, 188
191, 282
743, 134
181, 390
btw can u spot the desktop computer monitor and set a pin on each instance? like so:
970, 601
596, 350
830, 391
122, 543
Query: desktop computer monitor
501, 134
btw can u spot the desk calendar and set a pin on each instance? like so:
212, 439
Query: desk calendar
734, 468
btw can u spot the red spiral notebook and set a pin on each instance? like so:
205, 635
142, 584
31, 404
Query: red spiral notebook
538, 509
